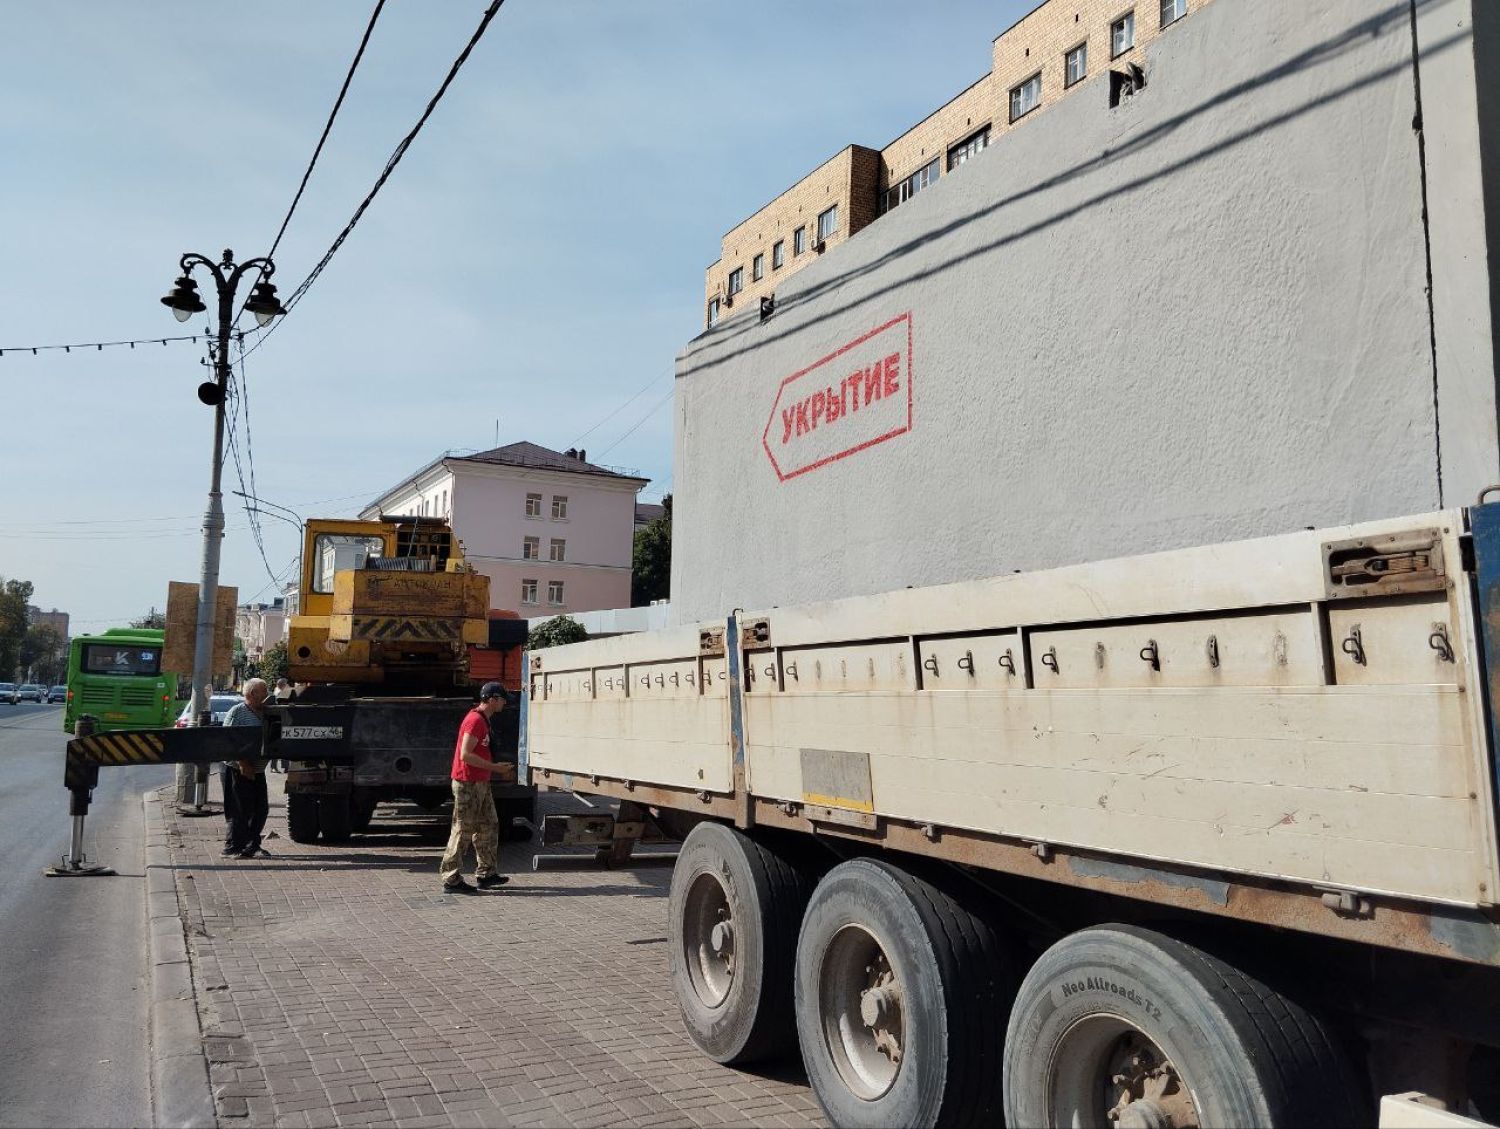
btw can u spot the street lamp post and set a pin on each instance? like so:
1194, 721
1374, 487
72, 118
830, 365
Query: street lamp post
184, 302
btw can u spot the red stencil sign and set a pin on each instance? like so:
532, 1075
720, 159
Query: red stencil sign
857, 396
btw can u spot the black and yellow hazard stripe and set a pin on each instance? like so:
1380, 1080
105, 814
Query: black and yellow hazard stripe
395, 629
119, 748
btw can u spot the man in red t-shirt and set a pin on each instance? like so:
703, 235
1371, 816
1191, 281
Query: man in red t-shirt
474, 816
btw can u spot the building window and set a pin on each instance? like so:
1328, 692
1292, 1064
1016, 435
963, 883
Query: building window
528, 591
778, 254
736, 281
1122, 35
758, 267
559, 549
968, 149
531, 548
828, 223
555, 593
559, 507
445, 503
898, 194
1024, 98
533, 505
1076, 64
713, 312
1172, 11
799, 241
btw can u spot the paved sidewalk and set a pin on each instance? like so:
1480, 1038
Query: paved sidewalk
340, 986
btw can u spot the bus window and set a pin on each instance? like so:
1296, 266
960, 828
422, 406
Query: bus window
334, 552
120, 658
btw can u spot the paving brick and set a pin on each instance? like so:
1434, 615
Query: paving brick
355, 996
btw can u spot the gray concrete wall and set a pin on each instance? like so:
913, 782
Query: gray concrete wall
1199, 316
1457, 43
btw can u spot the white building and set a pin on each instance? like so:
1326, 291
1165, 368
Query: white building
260, 626
553, 531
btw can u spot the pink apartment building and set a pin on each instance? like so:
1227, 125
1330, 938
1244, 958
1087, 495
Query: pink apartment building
552, 531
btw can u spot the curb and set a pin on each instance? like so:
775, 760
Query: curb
180, 1092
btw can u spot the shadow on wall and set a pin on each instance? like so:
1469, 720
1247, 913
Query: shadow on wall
723, 338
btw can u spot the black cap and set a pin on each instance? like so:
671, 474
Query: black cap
491, 690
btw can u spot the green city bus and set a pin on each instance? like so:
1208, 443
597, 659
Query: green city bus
116, 678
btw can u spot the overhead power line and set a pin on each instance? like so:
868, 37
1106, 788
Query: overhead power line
655, 380
100, 345
390, 167
327, 128
656, 407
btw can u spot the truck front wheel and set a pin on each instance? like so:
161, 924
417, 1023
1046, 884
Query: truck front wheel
732, 918
302, 817
901, 997
1122, 1025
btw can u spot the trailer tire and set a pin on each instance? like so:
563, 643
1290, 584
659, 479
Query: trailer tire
901, 997
733, 914
1193, 1037
336, 818
302, 817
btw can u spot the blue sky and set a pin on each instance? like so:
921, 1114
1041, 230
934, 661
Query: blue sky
535, 262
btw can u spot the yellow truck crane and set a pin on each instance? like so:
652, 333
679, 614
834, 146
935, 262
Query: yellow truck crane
387, 613
386, 603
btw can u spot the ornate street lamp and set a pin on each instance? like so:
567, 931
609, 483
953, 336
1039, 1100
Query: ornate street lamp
184, 302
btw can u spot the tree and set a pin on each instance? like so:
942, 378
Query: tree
556, 631
152, 619
43, 654
15, 595
274, 663
651, 562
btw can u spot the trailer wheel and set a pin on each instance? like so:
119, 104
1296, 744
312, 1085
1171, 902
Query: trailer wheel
1122, 1025
901, 998
302, 817
733, 916
336, 818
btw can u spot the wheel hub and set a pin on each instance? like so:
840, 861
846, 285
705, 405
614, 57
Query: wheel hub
864, 1019
708, 939
1147, 1090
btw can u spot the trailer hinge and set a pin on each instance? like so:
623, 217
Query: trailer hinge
1387, 565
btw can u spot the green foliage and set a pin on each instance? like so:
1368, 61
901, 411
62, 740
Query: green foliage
14, 596
651, 561
153, 619
274, 664
270, 666
555, 632
44, 654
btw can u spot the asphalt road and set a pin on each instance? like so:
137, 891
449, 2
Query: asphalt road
74, 997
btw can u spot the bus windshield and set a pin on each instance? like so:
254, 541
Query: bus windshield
120, 658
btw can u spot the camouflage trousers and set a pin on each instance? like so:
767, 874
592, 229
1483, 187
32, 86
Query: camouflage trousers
474, 819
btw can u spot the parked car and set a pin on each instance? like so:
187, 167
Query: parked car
30, 692
57, 694
8, 693
219, 704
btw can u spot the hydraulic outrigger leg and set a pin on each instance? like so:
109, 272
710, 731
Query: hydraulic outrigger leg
89, 749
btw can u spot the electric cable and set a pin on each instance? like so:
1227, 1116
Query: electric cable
652, 383
656, 407
322, 140
390, 167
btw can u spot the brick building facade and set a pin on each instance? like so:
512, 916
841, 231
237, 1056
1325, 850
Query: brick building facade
1057, 49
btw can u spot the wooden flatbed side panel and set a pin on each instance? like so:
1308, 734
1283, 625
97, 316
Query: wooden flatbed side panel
1265, 572
677, 742
1367, 786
